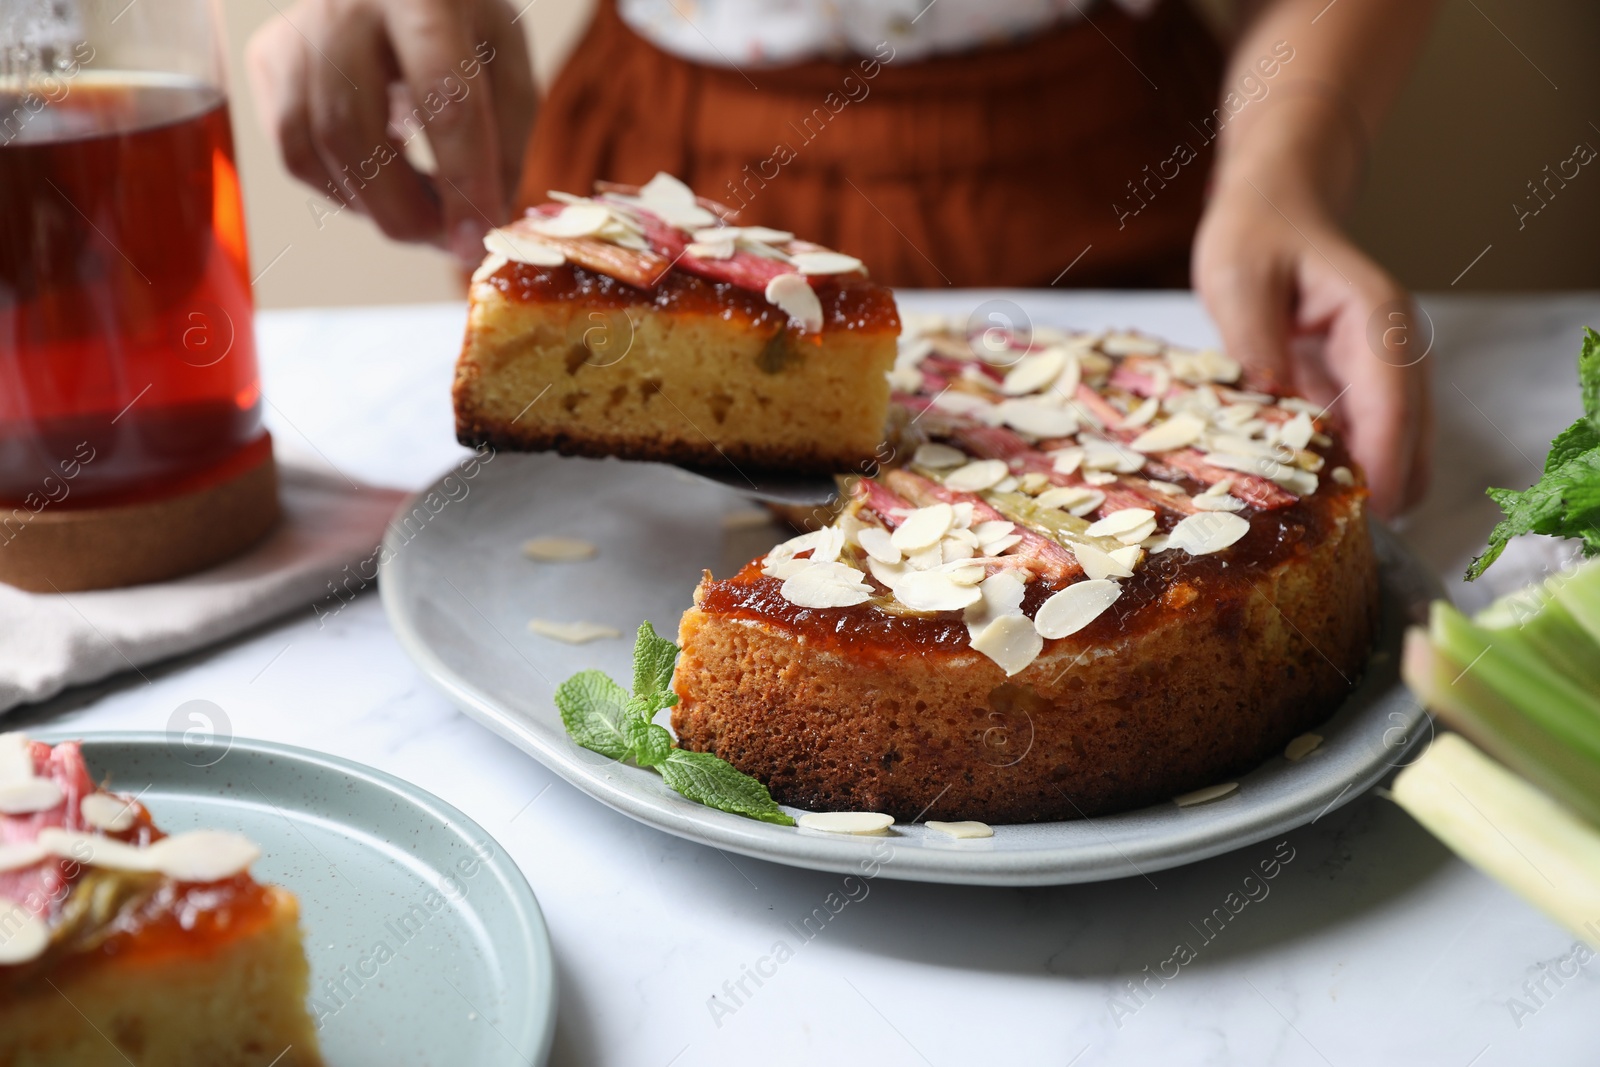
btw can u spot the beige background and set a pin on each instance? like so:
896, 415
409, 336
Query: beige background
1503, 89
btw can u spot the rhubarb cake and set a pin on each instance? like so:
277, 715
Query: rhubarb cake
1103, 571
642, 323
122, 945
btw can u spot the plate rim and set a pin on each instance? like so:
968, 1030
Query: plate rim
538, 1031
853, 855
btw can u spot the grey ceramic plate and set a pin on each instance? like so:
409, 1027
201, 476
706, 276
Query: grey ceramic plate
465, 974
460, 593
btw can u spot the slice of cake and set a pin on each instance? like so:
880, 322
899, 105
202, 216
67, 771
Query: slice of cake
121, 945
1105, 573
641, 323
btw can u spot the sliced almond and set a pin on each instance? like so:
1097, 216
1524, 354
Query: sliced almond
16, 758
936, 456
923, 527
1099, 564
1224, 502
826, 585
858, 823
96, 850
520, 248
573, 633
1301, 747
1137, 535
106, 812
967, 830
1142, 413
977, 476
1342, 476
1206, 795
30, 797
1175, 432
1066, 460
20, 854
674, 202
826, 263
793, 295
1011, 642
202, 855
26, 937
574, 220
1002, 594
1296, 433
1037, 417
1207, 532
1034, 372
558, 549
1128, 555
1079, 500
876, 542
1121, 521
935, 591
1075, 607
1170, 488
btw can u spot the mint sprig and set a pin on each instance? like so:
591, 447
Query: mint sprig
1565, 501
603, 717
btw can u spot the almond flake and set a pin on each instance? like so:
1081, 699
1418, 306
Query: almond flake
202, 855
16, 856
1129, 555
956, 549
574, 220
1214, 502
967, 830
958, 403
16, 758
1155, 543
1067, 460
573, 633
1011, 642
935, 591
95, 850
1099, 478
1207, 532
963, 573
859, 823
1008, 484
826, 263
1206, 795
923, 527
876, 542
491, 263
106, 812
977, 476
1037, 417
1099, 564
1078, 500
993, 529
674, 202
1343, 476
1108, 455
1170, 488
1002, 594
520, 248
26, 937
1034, 372
1034, 482
1178, 431
1120, 522
1129, 344
712, 249
1138, 533
793, 295
830, 542
1004, 544
558, 549
1071, 375
1142, 414
1075, 607
1296, 433
963, 512
1301, 747
938, 457
30, 797
826, 585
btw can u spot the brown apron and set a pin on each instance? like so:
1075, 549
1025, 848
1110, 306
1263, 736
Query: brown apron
998, 167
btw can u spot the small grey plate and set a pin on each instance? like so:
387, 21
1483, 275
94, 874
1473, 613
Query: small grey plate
460, 593
425, 941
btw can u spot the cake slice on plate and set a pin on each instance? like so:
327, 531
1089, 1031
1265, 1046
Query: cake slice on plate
1106, 573
642, 323
120, 944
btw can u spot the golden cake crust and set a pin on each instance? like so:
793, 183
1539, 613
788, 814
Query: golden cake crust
1203, 683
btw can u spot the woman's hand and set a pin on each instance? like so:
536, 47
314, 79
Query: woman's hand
343, 86
1302, 307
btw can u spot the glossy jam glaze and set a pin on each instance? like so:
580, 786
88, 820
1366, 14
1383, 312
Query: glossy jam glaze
849, 302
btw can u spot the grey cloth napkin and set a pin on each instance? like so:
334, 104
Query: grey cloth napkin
49, 641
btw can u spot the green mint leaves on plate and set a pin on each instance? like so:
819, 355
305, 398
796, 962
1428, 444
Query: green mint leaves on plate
1565, 501
603, 717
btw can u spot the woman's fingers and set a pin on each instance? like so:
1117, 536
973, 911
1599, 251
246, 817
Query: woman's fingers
436, 43
276, 65
349, 115
515, 96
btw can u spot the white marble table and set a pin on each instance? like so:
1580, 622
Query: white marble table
1372, 946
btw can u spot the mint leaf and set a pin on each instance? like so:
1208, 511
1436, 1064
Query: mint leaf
1565, 501
716, 783
653, 660
595, 711
602, 716
648, 743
